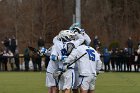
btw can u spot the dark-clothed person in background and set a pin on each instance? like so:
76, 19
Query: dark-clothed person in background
36, 59
117, 61
112, 59
129, 63
5, 59
47, 58
6, 43
1, 59
121, 59
13, 44
96, 42
130, 45
127, 60
16, 57
106, 58
26, 58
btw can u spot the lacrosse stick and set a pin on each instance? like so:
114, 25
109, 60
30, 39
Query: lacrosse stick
57, 75
34, 50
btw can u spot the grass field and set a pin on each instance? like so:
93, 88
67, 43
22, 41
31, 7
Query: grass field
118, 82
34, 82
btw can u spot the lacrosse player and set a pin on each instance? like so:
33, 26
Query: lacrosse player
59, 40
88, 67
52, 66
69, 75
67, 80
78, 31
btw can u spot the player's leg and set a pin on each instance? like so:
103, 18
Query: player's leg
48, 83
92, 84
67, 91
54, 89
75, 87
51, 83
87, 84
83, 84
83, 91
91, 91
49, 90
69, 78
63, 91
75, 90
60, 84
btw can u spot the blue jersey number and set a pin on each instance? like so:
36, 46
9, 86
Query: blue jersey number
91, 54
63, 52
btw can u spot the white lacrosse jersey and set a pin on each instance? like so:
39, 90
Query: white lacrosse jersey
55, 39
52, 66
59, 46
89, 63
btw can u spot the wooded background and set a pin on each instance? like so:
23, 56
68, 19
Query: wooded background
111, 20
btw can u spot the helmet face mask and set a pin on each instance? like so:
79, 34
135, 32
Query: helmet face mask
69, 47
79, 30
65, 39
76, 29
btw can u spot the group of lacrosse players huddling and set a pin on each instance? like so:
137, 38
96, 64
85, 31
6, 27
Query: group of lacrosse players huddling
72, 46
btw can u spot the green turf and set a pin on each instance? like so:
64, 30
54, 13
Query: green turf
22, 82
34, 82
118, 82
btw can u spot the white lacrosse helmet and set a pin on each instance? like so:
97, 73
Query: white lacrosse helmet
66, 35
77, 29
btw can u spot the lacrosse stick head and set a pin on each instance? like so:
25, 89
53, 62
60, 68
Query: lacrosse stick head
34, 50
69, 47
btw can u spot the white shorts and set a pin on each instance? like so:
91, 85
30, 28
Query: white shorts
76, 83
50, 81
67, 80
87, 82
